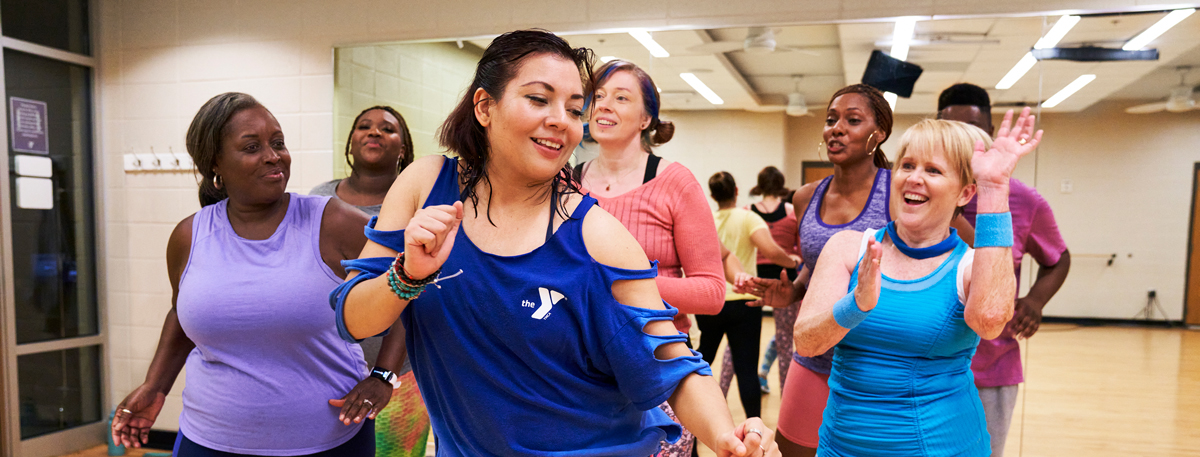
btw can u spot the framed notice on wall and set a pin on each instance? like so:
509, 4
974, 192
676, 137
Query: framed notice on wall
28, 121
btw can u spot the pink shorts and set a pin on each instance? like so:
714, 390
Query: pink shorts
802, 404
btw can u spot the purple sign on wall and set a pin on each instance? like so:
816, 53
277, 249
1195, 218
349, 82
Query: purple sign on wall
28, 119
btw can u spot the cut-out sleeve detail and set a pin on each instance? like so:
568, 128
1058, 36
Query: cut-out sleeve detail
642, 377
620, 274
391, 239
368, 268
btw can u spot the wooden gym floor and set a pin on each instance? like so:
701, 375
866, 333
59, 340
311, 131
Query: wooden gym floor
1095, 391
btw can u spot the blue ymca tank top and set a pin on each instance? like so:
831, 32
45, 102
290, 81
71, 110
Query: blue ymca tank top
267, 357
531, 354
814, 233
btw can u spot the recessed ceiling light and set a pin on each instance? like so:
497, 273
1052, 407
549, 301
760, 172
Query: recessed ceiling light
644, 38
700, 87
1156, 30
607, 59
1068, 91
1056, 34
902, 37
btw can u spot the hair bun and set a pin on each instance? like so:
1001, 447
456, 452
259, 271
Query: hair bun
663, 132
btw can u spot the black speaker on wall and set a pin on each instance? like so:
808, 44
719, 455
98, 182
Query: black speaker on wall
890, 74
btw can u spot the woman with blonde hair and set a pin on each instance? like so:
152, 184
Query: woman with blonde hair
904, 307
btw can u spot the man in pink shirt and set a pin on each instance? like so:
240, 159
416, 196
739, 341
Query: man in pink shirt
997, 363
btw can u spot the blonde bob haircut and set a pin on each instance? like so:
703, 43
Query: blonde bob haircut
953, 138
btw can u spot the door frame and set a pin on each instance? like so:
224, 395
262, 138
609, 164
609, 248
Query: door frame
88, 435
1191, 247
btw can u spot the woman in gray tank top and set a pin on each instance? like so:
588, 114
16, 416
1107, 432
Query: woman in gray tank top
381, 147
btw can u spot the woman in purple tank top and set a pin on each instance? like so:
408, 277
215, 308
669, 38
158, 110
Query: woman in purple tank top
250, 273
858, 120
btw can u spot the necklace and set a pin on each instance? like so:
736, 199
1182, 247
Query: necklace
608, 187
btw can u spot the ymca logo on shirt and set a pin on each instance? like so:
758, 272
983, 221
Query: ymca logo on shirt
549, 299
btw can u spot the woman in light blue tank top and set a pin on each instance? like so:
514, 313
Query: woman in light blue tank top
533, 321
267, 373
904, 307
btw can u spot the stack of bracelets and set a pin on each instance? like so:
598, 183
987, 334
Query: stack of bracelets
405, 286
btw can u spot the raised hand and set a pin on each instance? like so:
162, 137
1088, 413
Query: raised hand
364, 401
429, 238
866, 294
994, 166
135, 415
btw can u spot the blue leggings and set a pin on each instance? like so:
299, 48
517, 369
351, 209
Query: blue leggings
361, 445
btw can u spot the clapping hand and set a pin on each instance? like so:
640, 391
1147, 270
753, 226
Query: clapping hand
429, 238
776, 293
866, 294
994, 166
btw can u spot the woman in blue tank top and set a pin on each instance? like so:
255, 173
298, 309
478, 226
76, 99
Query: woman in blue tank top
267, 373
533, 321
904, 307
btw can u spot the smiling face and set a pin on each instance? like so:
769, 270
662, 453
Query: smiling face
850, 129
619, 115
537, 123
376, 140
932, 176
254, 163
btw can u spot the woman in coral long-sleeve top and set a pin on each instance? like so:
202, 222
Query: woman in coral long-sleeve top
659, 201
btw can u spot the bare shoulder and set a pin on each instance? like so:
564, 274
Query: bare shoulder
408, 193
844, 245
179, 247
803, 195
343, 224
610, 243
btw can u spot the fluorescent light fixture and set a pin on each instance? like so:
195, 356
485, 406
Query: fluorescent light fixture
704, 91
644, 38
1068, 91
1160, 27
1056, 34
607, 59
891, 99
902, 37
1027, 61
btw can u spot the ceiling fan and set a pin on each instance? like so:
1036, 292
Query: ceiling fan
1180, 100
759, 40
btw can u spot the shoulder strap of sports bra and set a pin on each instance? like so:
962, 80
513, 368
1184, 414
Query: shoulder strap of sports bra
651, 168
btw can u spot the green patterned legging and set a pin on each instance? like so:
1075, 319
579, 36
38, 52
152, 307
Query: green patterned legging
402, 428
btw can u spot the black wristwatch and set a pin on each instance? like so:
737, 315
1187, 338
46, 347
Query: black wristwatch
386, 376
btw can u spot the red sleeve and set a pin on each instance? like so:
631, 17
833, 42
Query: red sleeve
702, 291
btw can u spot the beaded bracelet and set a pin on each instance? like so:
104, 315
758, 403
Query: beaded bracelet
403, 285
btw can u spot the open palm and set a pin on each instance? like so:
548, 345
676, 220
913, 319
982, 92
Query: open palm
995, 165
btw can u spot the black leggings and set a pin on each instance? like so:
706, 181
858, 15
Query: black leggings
743, 325
361, 445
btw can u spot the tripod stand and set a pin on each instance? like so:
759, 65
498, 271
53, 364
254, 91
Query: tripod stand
1152, 304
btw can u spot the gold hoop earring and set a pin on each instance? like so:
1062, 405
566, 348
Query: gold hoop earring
821, 147
217, 181
870, 150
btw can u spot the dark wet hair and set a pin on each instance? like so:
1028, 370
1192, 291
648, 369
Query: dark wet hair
463, 135
406, 156
204, 137
659, 131
770, 182
882, 112
722, 186
965, 94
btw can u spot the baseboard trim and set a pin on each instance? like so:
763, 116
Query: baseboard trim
1100, 321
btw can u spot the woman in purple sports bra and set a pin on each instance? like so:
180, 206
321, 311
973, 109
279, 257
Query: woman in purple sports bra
857, 122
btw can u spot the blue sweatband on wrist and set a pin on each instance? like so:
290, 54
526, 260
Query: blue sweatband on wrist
846, 312
993, 230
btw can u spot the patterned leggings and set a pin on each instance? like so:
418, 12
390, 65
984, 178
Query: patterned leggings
402, 428
681, 448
